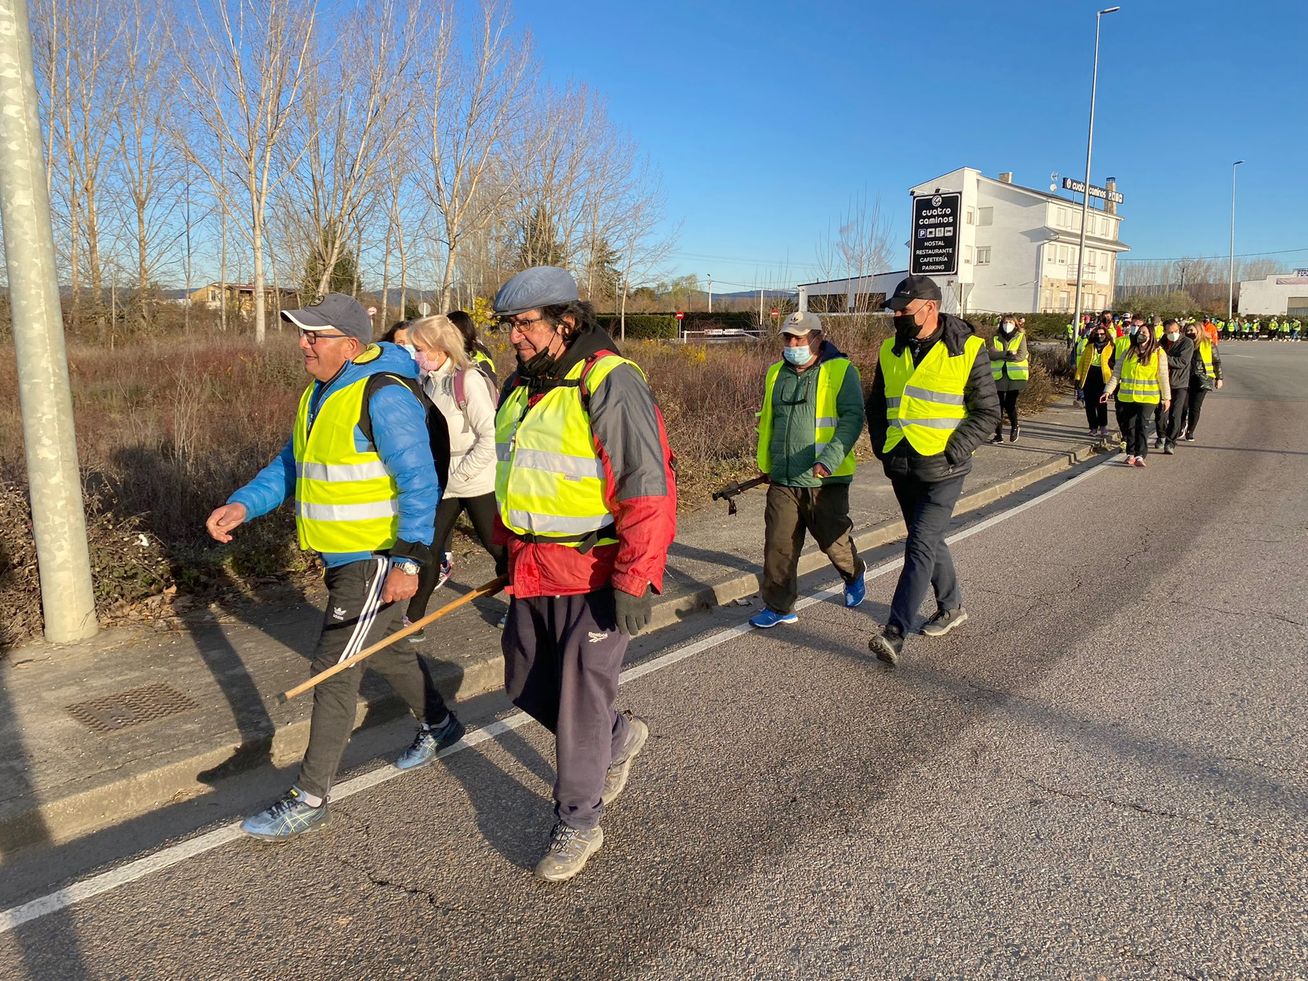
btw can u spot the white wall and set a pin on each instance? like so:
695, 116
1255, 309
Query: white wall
1266, 297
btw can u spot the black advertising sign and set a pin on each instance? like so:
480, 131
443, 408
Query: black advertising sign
934, 248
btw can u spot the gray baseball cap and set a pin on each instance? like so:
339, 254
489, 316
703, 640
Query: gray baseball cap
335, 311
801, 323
532, 289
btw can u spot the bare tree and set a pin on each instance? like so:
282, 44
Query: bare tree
473, 107
856, 248
245, 68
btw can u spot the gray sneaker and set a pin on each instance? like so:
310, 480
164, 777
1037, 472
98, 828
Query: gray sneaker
944, 621
615, 780
568, 851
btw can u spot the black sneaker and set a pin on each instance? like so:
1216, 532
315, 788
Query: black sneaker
887, 645
1167, 448
1158, 443
1189, 437
1014, 433
944, 621
997, 438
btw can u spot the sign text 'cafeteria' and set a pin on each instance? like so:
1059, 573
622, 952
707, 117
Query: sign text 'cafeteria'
934, 249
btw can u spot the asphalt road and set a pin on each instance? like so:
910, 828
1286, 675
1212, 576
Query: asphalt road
1103, 773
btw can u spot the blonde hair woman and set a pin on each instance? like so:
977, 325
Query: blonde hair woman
467, 401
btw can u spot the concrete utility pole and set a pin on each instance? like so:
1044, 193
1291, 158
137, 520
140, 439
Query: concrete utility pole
1230, 283
1089, 147
44, 395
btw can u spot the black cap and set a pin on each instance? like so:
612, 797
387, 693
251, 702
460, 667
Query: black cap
910, 289
334, 311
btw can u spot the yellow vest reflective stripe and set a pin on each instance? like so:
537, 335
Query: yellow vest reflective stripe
1206, 355
1139, 382
831, 376
345, 499
1017, 370
924, 404
479, 358
549, 481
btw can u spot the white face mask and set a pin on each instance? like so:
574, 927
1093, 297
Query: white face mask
1009, 327
1172, 336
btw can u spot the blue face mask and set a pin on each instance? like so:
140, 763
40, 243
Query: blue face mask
413, 351
797, 356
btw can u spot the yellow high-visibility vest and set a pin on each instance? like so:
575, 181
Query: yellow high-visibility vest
924, 404
1139, 382
1017, 370
345, 499
549, 480
1206, 356
831, 376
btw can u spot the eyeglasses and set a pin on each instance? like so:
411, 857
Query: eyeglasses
512, 323
314, 336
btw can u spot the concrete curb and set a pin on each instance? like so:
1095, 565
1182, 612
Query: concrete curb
154, 785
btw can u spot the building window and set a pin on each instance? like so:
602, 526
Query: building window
983, 255
1044, 300
1091, 260
1063, 303
967, 254
985, 216
971, 217
213, 296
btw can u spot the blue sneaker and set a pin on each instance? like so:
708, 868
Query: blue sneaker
856, 591
286, 818
428, 742
766, 618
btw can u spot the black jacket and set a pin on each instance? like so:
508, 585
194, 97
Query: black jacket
1180, 358
979, 398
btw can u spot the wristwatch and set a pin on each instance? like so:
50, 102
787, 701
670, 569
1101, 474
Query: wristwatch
407, 567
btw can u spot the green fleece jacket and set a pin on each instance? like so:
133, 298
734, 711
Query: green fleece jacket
791, 451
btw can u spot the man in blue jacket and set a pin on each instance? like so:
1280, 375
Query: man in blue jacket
359, 467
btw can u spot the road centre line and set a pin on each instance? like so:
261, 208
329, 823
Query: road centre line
165, 858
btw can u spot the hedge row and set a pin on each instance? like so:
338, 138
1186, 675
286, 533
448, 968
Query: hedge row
665, 326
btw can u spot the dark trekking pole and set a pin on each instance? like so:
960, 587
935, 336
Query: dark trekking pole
730, 492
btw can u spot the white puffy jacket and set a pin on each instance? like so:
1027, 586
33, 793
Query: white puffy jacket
472, 430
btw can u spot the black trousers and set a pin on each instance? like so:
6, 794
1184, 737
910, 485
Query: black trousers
1131, 415
1096, 412
823, 512
1176, 414
356, 618
481, 511
1197, 396
1008, 407
927, 507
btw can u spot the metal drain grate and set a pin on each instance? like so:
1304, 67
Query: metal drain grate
133, 707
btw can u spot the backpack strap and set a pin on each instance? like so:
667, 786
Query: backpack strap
438, 433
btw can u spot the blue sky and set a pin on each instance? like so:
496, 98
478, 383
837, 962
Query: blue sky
766, 118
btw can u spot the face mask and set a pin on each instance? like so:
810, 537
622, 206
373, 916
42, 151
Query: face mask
1191, 334
427, 363
797, 355
1141, 336
413, 351
1133, 330
905, 326
1173, 336
1009, 328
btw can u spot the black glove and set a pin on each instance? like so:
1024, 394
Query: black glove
502, 562
632, 613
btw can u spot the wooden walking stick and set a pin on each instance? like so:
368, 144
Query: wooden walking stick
487, 589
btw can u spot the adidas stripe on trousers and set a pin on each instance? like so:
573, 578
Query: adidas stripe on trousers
356, 618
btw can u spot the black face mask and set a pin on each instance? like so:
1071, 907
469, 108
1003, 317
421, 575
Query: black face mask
906, 327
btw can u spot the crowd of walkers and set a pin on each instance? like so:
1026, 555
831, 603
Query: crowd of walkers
1155, 370
567, 478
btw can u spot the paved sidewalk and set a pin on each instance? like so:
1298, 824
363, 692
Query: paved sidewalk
197, 702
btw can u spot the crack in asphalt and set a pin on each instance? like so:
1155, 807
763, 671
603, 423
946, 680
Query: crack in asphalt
1241, 614
416, 892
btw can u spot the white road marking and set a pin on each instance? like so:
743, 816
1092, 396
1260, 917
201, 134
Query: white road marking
165, 858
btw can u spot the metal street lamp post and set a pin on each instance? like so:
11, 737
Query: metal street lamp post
1230, 285
1089, 147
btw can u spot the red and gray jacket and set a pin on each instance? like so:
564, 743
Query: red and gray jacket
640, 487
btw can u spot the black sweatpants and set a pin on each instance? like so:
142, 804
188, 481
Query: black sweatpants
791, 511
1197, 396
481, 511
1096, 412
562, 657
1131, 415
356, 618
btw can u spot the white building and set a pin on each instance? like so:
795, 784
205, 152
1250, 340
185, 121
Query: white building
1280, 295
1017, 251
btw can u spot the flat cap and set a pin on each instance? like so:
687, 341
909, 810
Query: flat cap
532, 289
